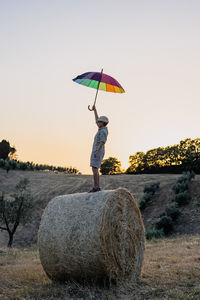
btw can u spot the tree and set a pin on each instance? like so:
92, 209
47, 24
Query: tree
136, 162
110, 166
6, 149
12, 155
176, 159
15, 210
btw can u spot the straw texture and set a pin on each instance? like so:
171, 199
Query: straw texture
94, 236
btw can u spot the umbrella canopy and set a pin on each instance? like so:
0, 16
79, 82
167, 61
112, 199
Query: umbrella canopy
99, 81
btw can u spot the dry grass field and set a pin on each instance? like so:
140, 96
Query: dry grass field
171, 267
46, 185
171, 271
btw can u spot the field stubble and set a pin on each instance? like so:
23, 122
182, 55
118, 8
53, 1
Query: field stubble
171, 271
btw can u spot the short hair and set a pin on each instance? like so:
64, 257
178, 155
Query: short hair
105, 124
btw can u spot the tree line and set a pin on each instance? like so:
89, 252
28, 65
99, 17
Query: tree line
184, 156
8, 161
178, 158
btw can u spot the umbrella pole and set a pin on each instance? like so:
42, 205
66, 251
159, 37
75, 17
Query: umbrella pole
96, 92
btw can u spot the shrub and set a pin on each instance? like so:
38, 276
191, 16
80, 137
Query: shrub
173, 212
154, 233
151, 188
186, 176
7, 166
180, 187
192, 175
149, 191
147, 197
182, 198
198, 201
23, 166
182, 183
142, 204
183, 178
166, 224
13, 164
162, 215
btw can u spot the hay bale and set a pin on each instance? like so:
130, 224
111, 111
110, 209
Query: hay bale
92, 236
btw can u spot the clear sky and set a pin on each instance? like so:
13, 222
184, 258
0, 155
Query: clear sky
151, 47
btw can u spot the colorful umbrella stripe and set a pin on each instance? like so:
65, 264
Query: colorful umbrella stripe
101, 81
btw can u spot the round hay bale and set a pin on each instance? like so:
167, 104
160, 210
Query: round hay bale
94, 236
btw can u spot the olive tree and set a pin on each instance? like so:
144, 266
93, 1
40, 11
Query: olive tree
16, 209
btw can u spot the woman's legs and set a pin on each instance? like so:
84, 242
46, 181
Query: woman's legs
96, 177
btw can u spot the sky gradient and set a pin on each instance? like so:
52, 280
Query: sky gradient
151, 47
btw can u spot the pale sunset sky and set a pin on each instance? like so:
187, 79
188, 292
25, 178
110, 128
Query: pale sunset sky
151, 47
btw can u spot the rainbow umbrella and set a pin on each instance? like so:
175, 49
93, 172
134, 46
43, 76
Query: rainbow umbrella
99, 81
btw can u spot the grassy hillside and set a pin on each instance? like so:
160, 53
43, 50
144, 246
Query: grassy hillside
46, 185
170, 271
171, 266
